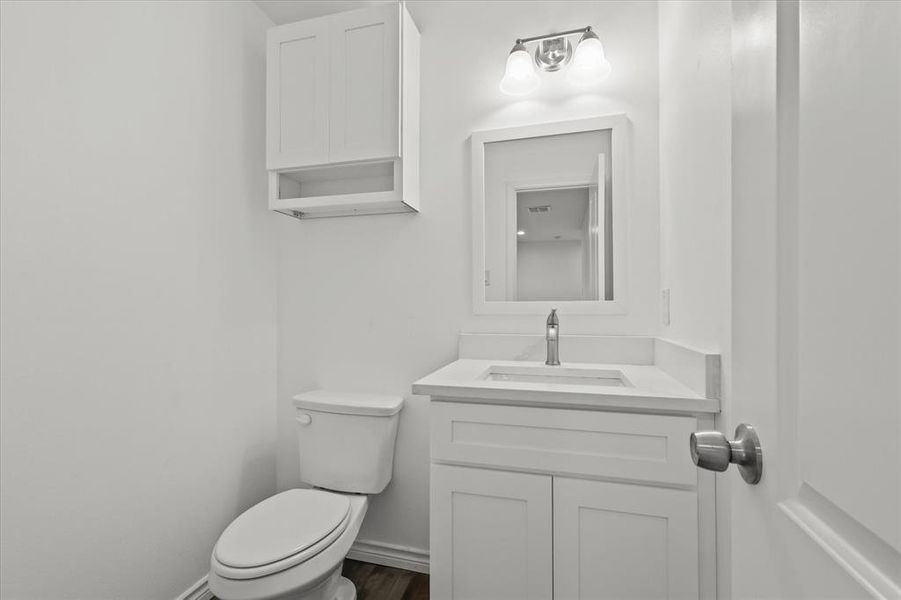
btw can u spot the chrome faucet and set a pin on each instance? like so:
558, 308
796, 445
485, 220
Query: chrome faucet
552, 336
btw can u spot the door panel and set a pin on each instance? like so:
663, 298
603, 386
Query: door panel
848, 360
365, 84
297, 95
490, 535
816, 309
621, 541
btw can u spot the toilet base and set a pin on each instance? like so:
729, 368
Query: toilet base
336, 587
346, 590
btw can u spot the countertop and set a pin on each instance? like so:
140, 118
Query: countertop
651, 389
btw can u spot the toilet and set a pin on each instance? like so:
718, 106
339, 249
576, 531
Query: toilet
293, 544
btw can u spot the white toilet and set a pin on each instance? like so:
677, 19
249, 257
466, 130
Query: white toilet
293, 544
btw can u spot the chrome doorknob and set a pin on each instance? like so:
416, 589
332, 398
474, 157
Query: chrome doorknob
711, 450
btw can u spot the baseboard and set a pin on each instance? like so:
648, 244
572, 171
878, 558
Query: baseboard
390, 555
199, 591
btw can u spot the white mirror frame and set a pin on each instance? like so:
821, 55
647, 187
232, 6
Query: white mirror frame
617, 124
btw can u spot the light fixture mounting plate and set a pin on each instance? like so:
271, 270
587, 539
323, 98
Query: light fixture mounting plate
553, 53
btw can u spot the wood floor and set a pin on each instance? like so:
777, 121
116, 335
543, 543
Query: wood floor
375, 582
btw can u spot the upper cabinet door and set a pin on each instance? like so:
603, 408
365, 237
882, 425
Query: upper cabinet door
297, 81
365, 84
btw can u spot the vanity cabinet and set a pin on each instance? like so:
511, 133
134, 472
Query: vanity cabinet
535, 502
342, 124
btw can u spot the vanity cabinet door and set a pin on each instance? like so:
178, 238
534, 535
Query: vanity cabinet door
365, 84
297, 94
491, 535
624, 541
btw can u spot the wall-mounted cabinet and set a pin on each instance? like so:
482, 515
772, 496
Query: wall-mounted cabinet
342, 128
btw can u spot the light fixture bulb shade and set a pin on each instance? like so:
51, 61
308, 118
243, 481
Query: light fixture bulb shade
520, 77
589, 64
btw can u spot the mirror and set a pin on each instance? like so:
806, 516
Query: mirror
546, 226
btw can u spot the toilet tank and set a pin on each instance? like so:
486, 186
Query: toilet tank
346, 440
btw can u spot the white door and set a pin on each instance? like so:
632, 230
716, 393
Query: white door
365, 84
816, 306
618, 541
297, 89
490, 535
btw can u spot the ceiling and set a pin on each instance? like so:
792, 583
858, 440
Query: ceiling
568, 209
288, 11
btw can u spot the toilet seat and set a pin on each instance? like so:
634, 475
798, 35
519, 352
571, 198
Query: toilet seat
300, 578
280, 532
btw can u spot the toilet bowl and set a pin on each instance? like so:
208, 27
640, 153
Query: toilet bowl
254, 560
292, 545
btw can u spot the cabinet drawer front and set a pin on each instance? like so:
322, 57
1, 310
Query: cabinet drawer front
598, 444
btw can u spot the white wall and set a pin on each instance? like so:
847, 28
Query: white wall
696, 198
374, 303
549, 270
138, 293
695, 167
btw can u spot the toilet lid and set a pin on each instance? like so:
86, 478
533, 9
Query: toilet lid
281, 526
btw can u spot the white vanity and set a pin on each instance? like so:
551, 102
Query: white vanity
571, 481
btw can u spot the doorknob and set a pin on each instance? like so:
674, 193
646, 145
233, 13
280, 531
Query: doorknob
711, 450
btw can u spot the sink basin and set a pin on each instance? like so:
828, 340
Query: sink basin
558, 375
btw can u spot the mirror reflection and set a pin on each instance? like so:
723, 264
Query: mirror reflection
547, 224
556, 244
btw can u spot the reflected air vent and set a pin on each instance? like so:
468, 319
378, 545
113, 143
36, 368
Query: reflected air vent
539, 210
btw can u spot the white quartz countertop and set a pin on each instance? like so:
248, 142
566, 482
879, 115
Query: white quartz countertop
648, 388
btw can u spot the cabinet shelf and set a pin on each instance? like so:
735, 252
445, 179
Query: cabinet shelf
350, 189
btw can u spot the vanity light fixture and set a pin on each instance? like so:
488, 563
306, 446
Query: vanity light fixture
520, 232
586, 66
520, 77
589, 65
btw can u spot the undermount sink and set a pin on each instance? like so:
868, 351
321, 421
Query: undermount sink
558, 375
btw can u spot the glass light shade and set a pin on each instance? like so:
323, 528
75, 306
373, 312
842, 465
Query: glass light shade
520, 77
589, 65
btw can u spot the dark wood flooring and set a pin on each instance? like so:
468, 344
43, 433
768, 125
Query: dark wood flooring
375, 582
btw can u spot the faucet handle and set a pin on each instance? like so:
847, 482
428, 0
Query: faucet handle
552, 320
